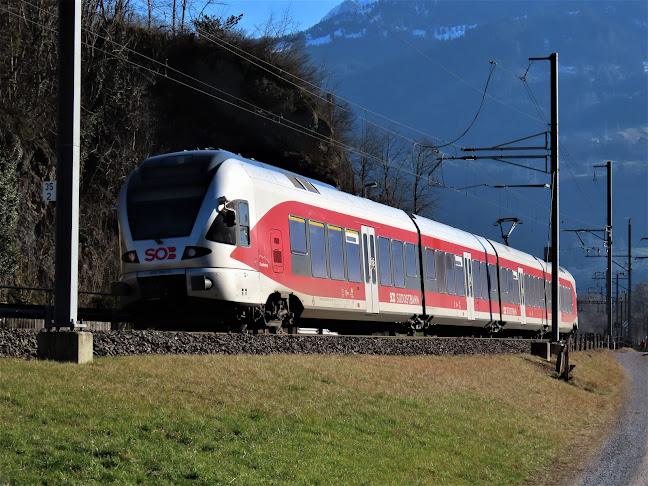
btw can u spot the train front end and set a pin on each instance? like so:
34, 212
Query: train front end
180, 217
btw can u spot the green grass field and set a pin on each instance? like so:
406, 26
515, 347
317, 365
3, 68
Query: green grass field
304, 420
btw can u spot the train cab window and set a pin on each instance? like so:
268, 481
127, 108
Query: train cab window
430, 269
461, 282
410, 260
450, 273
384, 259
336, 252
297, 235
399, 267
232, 221
352, 245
318, 249
244, 223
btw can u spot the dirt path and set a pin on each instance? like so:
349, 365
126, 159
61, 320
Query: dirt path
623, 461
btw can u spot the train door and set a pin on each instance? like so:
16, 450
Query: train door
522, 295
470, 294
370, 271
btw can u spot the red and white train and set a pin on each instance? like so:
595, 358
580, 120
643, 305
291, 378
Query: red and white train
238, 241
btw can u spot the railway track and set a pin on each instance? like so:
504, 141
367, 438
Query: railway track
22, 343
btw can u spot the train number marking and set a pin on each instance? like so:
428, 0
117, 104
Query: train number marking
162, 253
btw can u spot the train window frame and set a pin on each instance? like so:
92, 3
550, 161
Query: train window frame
476, 275
451, 276
460, 277
317, 265
493, 276
293, 233
351, 239
385, 276
430, 263
398, 268
335, 275
442, 278
485, 283
411, 260
517, 291
244, 226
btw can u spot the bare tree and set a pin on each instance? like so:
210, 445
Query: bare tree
424, 161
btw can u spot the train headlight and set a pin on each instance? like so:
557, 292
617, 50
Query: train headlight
130, 257
195, 252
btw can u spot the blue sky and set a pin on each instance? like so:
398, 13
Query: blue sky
305, 13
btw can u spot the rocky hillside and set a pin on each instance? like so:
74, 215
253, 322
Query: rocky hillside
146, 89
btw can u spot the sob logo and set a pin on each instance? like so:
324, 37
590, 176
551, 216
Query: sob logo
162, 253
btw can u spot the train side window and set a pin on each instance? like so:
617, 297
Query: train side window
441, 272
244, 223
516, 287
372, 249
399, 269
336, 252
461, 282
384, 257
318, 249
450, 273
503, 285
476, 279
297, 235
365, 245
492, 273
429, 264
484, 280
410, 260
352, 244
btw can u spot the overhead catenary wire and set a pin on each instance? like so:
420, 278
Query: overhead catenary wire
542, 115
481, 104
328, 96
253, 109
434, 61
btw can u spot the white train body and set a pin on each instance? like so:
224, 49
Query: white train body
273, 247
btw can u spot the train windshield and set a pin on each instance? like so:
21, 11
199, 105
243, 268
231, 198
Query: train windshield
164, 198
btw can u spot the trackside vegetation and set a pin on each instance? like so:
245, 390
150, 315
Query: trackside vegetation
303, 420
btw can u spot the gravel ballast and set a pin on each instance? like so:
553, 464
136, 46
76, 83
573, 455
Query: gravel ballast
18, 343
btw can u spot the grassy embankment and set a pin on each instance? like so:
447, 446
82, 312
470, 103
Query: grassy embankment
337, 420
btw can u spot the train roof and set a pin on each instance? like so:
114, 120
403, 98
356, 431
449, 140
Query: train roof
212, 159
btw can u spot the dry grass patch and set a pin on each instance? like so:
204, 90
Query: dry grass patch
301, 419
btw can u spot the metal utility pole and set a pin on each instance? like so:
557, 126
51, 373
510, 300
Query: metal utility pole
67, 164
555, 204
608, 244
629, 304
